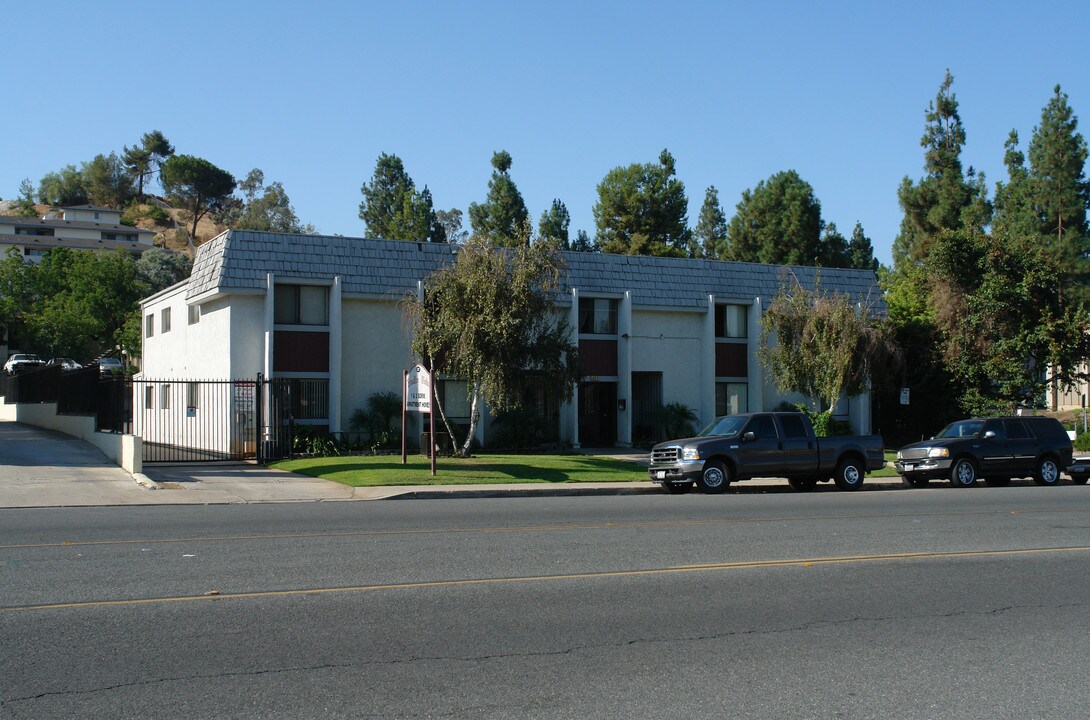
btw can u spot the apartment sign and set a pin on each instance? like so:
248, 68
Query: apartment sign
418, 390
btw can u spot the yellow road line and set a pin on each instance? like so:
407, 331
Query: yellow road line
804, 562
528, 528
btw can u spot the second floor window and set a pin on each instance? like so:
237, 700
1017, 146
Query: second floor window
730, 321
301, 305
149, 325
597, 316
166, 320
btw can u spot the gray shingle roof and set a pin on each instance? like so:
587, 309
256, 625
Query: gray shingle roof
239, 260
686, 283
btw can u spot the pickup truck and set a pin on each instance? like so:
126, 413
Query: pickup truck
777, 444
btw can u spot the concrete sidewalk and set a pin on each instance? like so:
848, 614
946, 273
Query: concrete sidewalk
43, 468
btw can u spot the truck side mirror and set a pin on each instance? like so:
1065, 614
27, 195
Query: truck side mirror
989, 435
749, 436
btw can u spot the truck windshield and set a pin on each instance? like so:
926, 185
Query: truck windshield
727, 425
962, 428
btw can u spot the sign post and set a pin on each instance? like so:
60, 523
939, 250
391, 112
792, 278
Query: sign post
419, 391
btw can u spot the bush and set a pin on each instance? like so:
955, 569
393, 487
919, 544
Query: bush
308, 441
824, 423
678, 420
518, 429
1082, 442
136, 212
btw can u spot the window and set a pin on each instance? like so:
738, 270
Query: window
304, 398
164, 397
149, 397
96, 216
1016, 430
301, 305
166, 320
762, 426
149, 325
191, 395
731, 398
454, 394
793, 426
35, 252
41, 232
194, 314
597, 316
730, 321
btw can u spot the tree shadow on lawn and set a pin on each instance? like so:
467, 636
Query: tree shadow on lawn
479, 470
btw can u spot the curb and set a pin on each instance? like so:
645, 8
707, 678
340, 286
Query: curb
145, 482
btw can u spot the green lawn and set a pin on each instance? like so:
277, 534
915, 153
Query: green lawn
483, 469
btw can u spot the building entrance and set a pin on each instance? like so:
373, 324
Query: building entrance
598, 414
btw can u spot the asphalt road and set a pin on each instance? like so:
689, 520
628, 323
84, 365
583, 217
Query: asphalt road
937, 603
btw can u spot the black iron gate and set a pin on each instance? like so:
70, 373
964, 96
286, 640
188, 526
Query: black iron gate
207, 420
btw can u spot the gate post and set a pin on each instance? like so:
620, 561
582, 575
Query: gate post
259, 428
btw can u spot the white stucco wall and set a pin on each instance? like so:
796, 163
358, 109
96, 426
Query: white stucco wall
374, 352
670, 342
241, 327
104, 216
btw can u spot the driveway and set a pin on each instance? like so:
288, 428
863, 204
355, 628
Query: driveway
44, 468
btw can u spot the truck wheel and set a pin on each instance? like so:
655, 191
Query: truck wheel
803, 484
677, 488
1048, 472
914, 482
849, 474
715, 478
963, 473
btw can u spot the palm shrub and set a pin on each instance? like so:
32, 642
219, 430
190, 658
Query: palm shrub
678, 420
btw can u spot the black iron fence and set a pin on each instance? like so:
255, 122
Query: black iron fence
183, 420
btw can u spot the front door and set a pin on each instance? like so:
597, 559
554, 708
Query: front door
598, 414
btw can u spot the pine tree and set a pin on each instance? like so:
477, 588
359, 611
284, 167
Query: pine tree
1061, 194
501, 217
779, 221
946, 198
554, 223
385, 199
711, 226
642, 210
861, 250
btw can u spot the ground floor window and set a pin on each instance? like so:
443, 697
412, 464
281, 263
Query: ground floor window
304, 398
731, 398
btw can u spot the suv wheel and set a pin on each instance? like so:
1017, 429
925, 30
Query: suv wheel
1048, 472
715, 478
963, 473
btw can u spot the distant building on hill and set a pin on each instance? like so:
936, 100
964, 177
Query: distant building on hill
83, 227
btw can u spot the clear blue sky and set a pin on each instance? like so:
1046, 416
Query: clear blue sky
312, 92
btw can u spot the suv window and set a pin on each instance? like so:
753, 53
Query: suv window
1048, 429
994, 426
1016, 430
792, 426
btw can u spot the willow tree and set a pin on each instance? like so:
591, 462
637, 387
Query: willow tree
490, 318
824, 345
